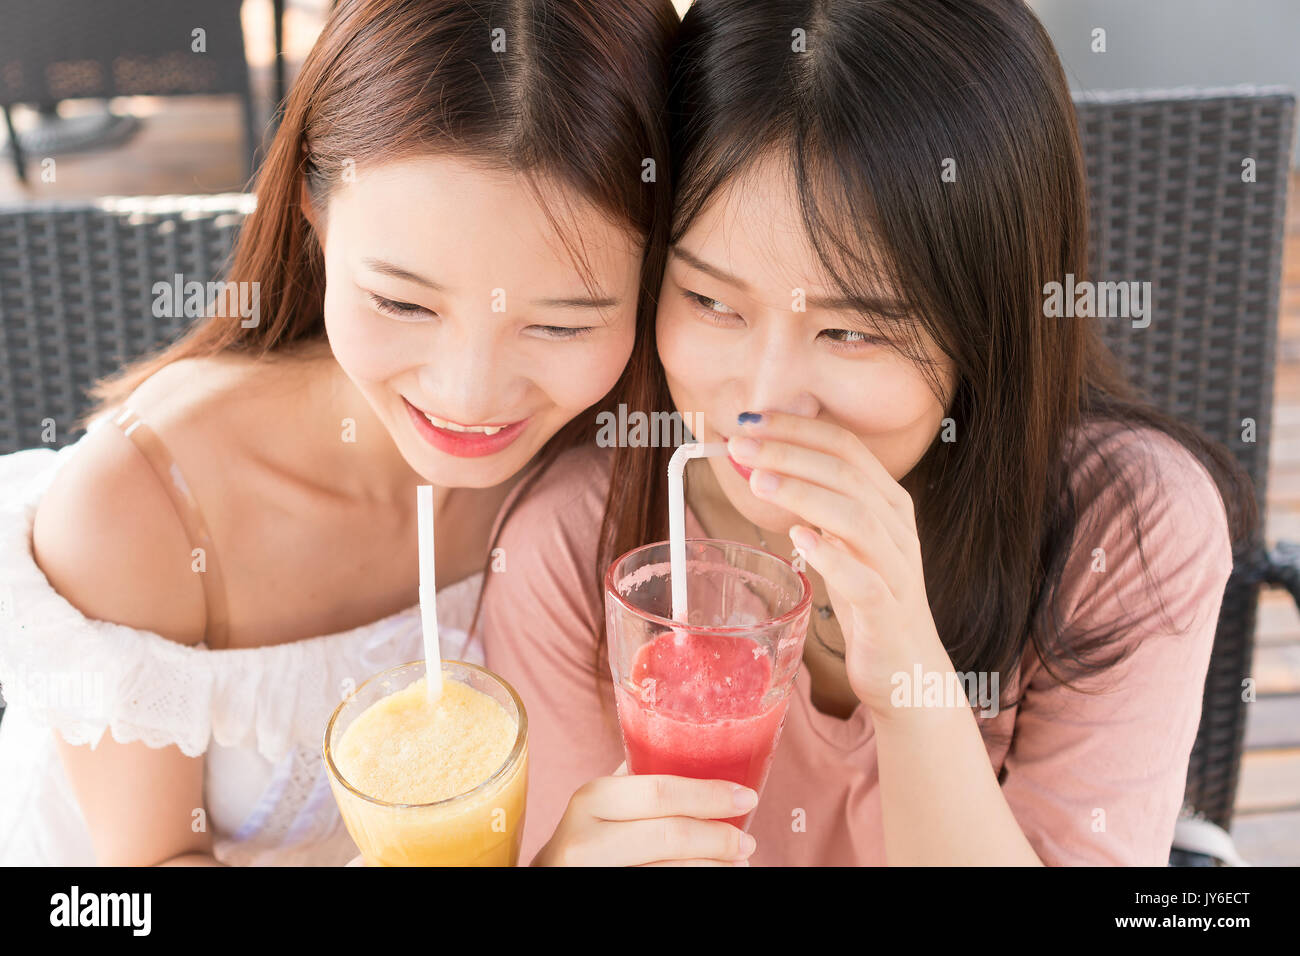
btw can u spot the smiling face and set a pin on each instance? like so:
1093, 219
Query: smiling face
735, 335
455, 308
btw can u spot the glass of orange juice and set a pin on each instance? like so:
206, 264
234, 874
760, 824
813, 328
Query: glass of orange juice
422, 784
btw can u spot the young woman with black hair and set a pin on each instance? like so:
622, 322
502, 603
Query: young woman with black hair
871, 200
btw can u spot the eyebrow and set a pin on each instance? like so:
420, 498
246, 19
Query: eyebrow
880, 306
579, 302
384, 267
695, 262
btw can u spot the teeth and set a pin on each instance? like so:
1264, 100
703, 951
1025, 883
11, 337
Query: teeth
453, 427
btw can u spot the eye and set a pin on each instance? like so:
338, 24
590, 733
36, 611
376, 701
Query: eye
398, 310
562, 331
711, 309
849, 339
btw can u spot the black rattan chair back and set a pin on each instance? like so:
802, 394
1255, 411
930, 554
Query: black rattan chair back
77, 293
1188, 192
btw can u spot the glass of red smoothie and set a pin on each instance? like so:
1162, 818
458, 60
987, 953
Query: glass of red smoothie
705, 698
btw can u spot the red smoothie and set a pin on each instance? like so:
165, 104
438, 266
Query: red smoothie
697, 710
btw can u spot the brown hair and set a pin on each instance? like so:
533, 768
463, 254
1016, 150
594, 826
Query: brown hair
575, 95
865, 118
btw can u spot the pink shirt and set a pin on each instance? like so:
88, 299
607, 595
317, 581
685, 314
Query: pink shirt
1091, 778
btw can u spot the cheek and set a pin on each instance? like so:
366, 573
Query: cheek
882, 397
576, 376
366, 346
892, 408
692, 363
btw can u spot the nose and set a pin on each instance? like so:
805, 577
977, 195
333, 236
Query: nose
465, 380
778, 380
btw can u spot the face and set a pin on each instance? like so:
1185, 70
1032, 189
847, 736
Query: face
735, 335
454, 307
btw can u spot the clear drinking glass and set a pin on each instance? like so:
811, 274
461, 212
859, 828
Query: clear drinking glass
707, 698
482, 827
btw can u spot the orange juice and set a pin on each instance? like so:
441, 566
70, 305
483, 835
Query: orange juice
422, 784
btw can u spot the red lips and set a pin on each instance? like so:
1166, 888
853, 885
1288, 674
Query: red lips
464, 444
742, 470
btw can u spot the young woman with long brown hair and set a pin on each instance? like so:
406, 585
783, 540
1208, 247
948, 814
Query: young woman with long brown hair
453, 228
871, 202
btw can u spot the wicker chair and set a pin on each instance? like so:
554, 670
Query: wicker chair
1168, 206
76, 295
51, 50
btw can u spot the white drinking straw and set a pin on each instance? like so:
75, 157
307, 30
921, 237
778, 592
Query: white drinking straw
428, 592
677, 517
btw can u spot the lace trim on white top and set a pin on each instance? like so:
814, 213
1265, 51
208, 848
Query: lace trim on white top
84, 677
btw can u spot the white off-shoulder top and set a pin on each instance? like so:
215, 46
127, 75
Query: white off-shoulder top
257, 714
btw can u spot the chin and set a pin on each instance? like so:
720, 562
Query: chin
775, 522
458, 474
447, 471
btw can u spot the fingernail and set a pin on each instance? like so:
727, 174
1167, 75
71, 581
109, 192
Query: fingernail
764, 482
744, 798
803, 539
747, 844
743, 449
748, 418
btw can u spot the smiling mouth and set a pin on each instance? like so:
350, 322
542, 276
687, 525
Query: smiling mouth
464, 441
437, 422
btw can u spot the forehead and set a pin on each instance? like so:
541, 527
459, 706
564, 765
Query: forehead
448, 209
753, 227
756, 206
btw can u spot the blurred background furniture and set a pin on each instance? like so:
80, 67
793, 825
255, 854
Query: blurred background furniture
1169, 205
54, 50
76, 295
1161, 44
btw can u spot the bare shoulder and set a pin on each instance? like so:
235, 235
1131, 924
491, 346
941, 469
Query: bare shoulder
109, 540
107, 535
200, 398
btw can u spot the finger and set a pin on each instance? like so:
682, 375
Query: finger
822, 469
841, 571
833, 439
696, 863
650, 796
672, 840
852, 523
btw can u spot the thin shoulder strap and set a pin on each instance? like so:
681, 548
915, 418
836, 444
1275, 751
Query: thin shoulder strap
196, 529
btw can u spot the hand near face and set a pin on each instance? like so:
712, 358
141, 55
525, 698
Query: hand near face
859, 535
